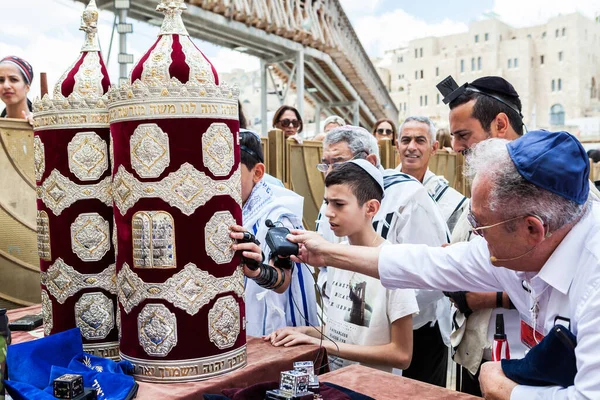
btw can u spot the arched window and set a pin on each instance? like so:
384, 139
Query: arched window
557, 115
593, 90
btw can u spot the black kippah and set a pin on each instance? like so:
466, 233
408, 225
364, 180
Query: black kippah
495, 84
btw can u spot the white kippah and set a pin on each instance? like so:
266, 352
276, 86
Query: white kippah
371, 170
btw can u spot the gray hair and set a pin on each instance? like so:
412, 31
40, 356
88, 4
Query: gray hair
510, 194
357, 138
334, 119
423, 120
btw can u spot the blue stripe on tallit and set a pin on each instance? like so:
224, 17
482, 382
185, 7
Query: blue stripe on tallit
391, 180
291, 305
303, 293
439, 195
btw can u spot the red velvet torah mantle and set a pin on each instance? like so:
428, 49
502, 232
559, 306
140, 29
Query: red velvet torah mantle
176, 188
74, 201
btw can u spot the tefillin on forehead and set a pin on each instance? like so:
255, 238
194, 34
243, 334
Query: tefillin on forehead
491, 86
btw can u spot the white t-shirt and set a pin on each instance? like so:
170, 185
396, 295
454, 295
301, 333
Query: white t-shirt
360, 311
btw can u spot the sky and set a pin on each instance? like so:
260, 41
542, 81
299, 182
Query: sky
45, 32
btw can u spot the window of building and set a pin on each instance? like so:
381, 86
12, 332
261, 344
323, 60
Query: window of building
462, 65
437, 71
401, 89
416, 53
421, 52
472, 64
559, 84
476, 38
500, 37
593, 90
404, 106
421, 74
437, 99
421, 101
416, 74
479, 63
564, 31
400, 59
516, 63
557, 115
510, 63
542, 59
556, 33
425, 99
487, 37
553, 85
560, 56
529, 35
544, 35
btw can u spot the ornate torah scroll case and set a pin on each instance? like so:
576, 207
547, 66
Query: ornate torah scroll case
74, 201
176, 188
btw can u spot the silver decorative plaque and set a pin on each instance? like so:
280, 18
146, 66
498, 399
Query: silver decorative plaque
88, 156
157, 330
217, 149
90, 236
149, 150
94, 315
224, 322
217, 241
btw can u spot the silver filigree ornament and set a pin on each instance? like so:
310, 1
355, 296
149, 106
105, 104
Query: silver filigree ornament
150, 153
190, 289
156, 66
62, 281
58, 192
200, 68
90, 236
39, 158
157, 330
47, 313
224, 322
94, 315
217, 149
88, 79
43, 236
88, 156
153, 234
186, 189
216, 237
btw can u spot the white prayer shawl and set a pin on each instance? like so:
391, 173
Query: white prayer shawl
267, 310
407, 215
450, 201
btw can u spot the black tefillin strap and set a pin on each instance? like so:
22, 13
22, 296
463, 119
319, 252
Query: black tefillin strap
450, 90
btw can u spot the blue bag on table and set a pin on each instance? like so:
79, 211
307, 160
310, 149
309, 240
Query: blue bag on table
34, 365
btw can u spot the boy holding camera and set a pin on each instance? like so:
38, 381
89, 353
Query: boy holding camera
366, 323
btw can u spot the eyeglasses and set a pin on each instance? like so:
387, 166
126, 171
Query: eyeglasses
286, 122
476, 229
386, 132
324, 167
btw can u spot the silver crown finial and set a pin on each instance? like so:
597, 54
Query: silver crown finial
89, 24
172, 24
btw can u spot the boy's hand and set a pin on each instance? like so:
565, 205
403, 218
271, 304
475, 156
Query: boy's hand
290, 336
312, 247
249, 250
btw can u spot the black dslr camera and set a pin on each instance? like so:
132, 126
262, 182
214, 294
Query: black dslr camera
281, 248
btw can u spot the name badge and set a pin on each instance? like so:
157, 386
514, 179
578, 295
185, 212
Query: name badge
527, 335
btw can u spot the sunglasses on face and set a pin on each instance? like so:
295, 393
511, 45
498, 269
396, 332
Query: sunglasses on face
286, 122
382, 131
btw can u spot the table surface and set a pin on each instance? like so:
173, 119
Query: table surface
265, 363
385, 386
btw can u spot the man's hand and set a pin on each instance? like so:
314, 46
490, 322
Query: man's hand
290, 336
494, 384
249, 250
311, 247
